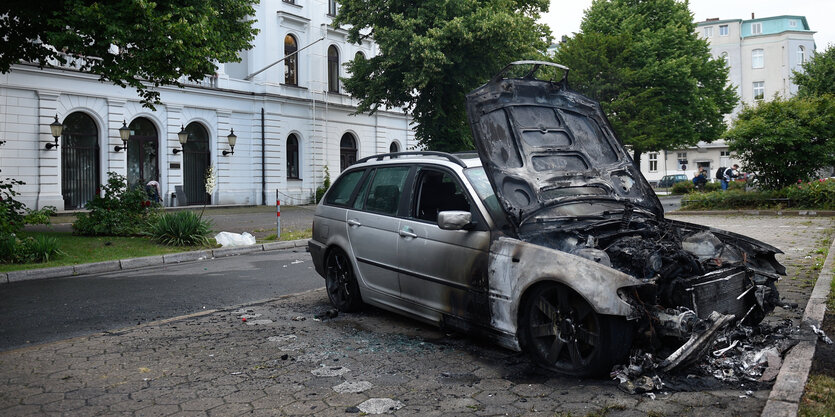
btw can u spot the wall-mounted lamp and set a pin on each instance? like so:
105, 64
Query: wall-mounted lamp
232, 138
124, 134
57, 128
183, 137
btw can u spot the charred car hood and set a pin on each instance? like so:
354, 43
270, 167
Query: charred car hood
550, 152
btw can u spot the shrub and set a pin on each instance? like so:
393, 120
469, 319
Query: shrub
11, 210
682, 187
182, 228
712, 186
31, 249
122, 211
818, 194
320, 191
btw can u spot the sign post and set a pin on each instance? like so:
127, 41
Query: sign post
277, 216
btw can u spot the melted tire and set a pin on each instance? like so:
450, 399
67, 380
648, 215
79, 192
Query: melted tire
562, 333
341, 283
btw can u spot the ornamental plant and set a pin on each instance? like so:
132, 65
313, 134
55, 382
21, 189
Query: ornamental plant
117, 210
182, 228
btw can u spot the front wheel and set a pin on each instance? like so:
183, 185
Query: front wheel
342, 287
561, 332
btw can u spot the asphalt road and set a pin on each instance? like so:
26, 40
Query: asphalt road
40, 311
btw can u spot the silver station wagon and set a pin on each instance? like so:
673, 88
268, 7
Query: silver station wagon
547, 240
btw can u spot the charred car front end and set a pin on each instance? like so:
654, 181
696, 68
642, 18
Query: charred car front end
588, 261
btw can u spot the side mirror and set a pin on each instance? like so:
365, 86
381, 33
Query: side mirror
454, 220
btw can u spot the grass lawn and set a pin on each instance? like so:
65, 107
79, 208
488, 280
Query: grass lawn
86, 249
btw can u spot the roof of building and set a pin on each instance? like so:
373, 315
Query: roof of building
771, 25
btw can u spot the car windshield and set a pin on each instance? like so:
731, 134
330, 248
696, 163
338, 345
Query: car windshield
478, 178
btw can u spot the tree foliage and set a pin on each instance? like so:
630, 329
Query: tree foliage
654, 77
818, 74
137, 43
431, 53
784, 141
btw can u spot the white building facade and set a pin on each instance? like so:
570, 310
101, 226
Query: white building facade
761, 55
291, 121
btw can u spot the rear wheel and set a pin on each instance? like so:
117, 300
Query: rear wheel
561, 332
342, 287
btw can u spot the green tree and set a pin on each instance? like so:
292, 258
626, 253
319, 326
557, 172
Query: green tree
818, 74
784, 141
137, 43
653, 76
432, 52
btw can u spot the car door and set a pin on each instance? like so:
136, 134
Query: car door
444, 270
372, 225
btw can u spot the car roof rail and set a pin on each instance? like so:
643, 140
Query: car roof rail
380, 157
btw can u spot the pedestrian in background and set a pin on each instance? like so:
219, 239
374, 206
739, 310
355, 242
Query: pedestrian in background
700, 180
729, 176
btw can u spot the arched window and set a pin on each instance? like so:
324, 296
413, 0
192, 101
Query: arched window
801, 55
291, 63
394, 147
333, 69
757, 58
293, 157
359, 56
347, 151
79, 160
195, 163
724, 55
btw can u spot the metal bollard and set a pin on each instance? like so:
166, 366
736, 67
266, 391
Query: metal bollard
277, 216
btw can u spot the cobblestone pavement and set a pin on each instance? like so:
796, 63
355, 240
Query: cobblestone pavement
284, 361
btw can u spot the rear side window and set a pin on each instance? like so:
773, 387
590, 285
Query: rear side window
340, 192
386, 189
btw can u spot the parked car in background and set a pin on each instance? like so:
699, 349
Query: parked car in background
667, 181
548, 240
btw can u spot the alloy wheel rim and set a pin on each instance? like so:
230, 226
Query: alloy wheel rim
565, 332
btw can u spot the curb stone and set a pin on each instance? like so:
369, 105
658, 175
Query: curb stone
29, 274
784, 399
801, 213
106, 266
133, 263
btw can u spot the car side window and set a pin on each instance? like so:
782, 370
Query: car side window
438, 191
385, 190
340, 192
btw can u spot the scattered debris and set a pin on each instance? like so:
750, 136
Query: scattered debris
284, 357
258, 322
379, 405
352, 387
746, 355
282, 339
329, 314
299, 318
326, 371
297, 261
821, 335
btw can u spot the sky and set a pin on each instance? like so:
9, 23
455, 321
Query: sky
564, 16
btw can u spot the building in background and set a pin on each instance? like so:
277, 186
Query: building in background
291, 120
761, 55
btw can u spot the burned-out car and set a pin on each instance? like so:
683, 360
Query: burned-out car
549, 240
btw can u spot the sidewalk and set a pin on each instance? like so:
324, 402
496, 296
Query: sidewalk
284, 361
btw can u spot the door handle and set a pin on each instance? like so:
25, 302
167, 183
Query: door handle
353, 222
405, 232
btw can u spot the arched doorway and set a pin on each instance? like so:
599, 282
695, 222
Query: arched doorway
195, 162
293, 157
347, 151
79, 160
143, 149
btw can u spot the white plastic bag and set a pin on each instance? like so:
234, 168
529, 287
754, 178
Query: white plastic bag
229, 239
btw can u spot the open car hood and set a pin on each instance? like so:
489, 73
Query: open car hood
550, 152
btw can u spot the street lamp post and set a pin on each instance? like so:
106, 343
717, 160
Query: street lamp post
124, 134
